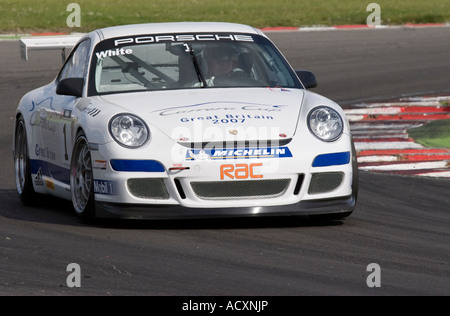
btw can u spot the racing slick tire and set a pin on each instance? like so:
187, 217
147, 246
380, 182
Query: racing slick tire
82, 179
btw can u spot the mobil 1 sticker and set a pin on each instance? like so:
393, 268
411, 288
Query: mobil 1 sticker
104, 187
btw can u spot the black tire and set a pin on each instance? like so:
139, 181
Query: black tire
355, 180
22, 169
82, 179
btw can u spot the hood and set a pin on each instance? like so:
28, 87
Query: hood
205, 115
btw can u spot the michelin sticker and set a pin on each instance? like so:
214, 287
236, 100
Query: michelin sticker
237, 153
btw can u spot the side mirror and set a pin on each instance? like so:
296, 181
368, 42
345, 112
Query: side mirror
70, 86
308, 79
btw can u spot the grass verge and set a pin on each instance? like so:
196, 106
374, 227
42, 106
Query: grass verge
24, 16
435, 134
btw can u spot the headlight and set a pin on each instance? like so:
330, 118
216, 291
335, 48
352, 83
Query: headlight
129, 130
325, 123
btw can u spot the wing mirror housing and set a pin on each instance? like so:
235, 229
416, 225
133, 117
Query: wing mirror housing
70, 86
308, 79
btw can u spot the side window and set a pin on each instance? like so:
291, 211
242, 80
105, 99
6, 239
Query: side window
75, 66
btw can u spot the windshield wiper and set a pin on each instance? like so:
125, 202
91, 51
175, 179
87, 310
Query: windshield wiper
200, 76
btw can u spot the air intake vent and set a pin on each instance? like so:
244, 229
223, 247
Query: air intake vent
230, 190
148, 188
325, 182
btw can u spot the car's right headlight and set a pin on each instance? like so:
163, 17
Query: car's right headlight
325, 123
129, 130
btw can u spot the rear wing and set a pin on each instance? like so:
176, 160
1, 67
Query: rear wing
47, 43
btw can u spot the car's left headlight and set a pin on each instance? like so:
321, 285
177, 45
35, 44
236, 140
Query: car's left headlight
129, 130
325, 123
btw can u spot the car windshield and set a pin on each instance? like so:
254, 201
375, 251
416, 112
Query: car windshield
187, 61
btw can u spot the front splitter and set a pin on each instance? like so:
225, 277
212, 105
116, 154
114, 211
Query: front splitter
343, 205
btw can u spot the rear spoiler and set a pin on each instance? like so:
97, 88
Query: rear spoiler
47, 43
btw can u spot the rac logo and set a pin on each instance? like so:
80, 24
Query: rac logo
240, 171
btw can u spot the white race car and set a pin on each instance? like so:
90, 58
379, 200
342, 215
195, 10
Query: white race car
182, 120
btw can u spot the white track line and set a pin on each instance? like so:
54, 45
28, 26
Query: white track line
369, 159
386, 145
442, 174
408, 166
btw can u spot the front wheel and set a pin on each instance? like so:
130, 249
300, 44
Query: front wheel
82, 179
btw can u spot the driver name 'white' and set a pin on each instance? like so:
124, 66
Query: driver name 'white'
112, 52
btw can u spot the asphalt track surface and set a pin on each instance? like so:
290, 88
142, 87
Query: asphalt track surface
401, 223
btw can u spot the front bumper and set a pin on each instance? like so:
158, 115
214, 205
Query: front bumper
309, 182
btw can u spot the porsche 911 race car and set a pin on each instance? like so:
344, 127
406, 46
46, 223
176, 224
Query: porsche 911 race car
182, 120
